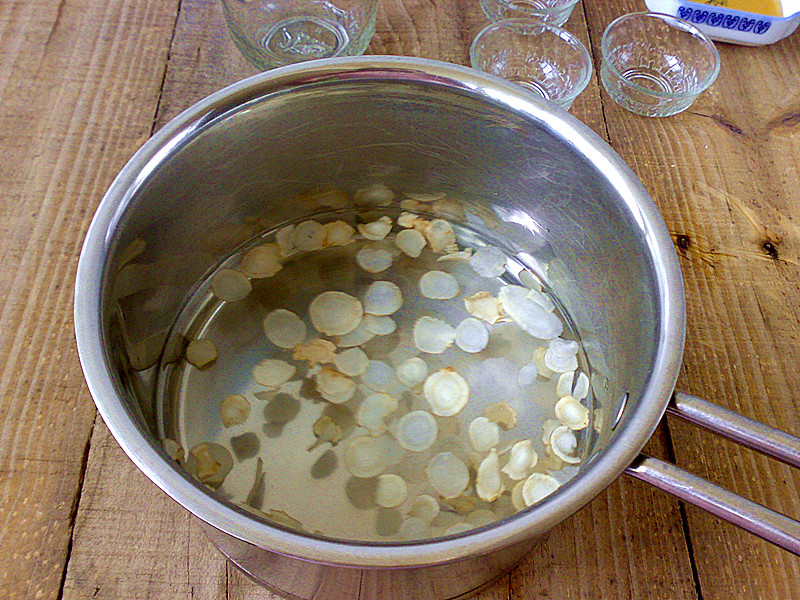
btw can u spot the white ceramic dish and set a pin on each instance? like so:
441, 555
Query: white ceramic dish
735, 26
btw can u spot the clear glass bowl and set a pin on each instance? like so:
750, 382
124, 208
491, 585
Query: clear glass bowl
555, 12
656, 65
545, 59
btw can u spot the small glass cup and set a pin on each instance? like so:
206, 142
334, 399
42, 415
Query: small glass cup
542, 58
656, 65
555, 12
273, 33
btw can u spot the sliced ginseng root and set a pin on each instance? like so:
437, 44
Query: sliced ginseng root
230, 285
379, 325
234, 410
501, 413
210, 463
309, 235
411, 371
201, 353
537, 487
391, 490
488, 262
564, 384
351, 362
376, 230
262, 261
360, 335
438, 285
572, 413
173, 449
377, 194
335, 313
413, 528
529, 315
433, 336
446, 391
273, 373
581, 387
440, 235
284, 328
530, 281
338, 233
471, 335
521, 458
373, 411
564, 444
424, 507
333, 386
484, 306
411, 242
374, 260
538, 360
326, 430
382, 298
561, 355
484, 434
380, 377
480, 517
416, 430
412, 221
367, 456
448, 475
316, 351
284, 238
489, 483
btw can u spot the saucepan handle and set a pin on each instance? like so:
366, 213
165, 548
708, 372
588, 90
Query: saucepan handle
759, 520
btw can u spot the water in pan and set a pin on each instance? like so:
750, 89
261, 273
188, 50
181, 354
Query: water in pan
384, 378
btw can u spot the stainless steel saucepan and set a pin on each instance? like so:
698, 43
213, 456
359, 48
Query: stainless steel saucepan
542, 181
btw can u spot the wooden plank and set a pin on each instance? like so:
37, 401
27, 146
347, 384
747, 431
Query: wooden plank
725, 176
77, 97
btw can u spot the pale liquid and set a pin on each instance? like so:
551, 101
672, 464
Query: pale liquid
313, 486
761, 7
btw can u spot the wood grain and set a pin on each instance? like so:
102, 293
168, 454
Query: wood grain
76, 98
724, 174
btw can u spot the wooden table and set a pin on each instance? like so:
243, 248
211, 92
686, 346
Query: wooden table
83, 83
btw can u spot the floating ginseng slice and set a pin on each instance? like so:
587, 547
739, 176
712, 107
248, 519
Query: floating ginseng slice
489, 484
374, 260
316, 351
261, 261
433, 336
484, 434
424, 507
352, 362
366, 456
210, 463
572, 413
309, 235
501, 413
448, 474
581, 389
488, 262
446, 391
272, 373
284, 328
484, 306
561, 356
379, 325
377, 194
376, 230
413, 528
564, 443
412, 371
521, 458
471, 335
373, 411
411, 242
335, 313
529, 315
417, 430
564, 385
234, 410
391, 490
230, 285
440, 235
537, 487
382, 298
438, 285
338, 233
201, 353
334, 387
